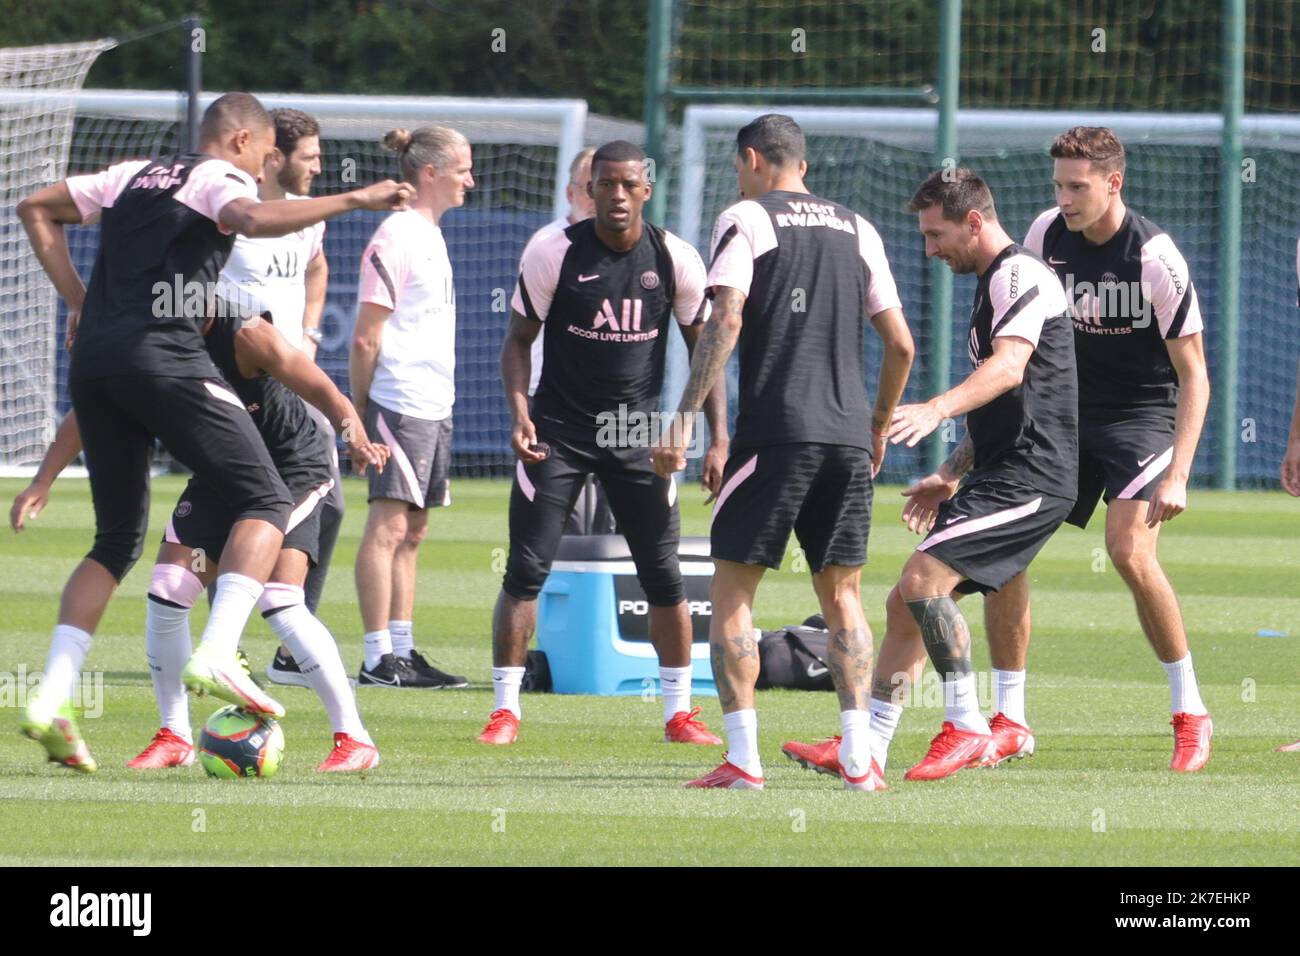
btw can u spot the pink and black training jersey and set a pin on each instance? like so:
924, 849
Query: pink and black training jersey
1030, 434
812, 271
161, 249
607, 317
1128, 296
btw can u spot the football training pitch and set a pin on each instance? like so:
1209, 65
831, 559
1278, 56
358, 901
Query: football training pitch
589, 783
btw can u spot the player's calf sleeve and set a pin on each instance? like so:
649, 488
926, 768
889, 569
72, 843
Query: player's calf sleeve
68, 648
236, 595
316, 653
172, 592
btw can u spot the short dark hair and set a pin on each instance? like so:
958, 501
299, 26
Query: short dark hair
958, 190
774, 136
291, 126
1097, 144
234, 111
617, 151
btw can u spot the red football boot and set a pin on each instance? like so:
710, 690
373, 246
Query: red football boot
165, 750
502, 728
953, 750
1192, 734
1013, 740
685, 729
728, 777
349, 756
823, 756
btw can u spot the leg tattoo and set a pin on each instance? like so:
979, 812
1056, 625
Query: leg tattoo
850, 663
947, 638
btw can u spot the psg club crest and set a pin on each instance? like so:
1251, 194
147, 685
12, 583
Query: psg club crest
183, 509
649, 280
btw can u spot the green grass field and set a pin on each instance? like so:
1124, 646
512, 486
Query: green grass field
588, 783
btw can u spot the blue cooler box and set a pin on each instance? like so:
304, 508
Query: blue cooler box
593, 619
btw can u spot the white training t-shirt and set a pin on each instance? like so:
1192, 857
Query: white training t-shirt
405, 268
269, 275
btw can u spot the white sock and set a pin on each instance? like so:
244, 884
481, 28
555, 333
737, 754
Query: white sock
505, 687
884, 721
855, 742
1184, 692
961, 705
236, 596
675, 685
317, 655
378, 643
1009, 692
402, 637
68, 648
168, 647
742, 741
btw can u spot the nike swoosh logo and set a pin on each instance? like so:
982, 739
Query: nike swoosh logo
375, 678
815, 670
662, 680
588, 278
1055, 262
1142, 463
958, 518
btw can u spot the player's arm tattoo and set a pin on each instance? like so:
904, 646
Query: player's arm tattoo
946, 636
850, 663
714, 348
959, 462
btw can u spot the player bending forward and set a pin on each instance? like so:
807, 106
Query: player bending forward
1020, 407
255, 359
139, 372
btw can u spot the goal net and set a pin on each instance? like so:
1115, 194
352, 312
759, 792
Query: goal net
873, 159
36, 122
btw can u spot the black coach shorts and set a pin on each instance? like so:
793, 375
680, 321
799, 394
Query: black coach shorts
419, 467
1121, 457
821, 492
643, 504
201, 422
202, 521
991, 530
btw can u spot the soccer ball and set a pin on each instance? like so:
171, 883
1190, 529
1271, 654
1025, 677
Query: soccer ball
236, 743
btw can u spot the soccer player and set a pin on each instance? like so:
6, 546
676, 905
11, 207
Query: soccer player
287, 276
1291, 461
1020, 449
792, 277
139, 372
608, 288
402, 368
1143, 391
591, 500
255, 360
